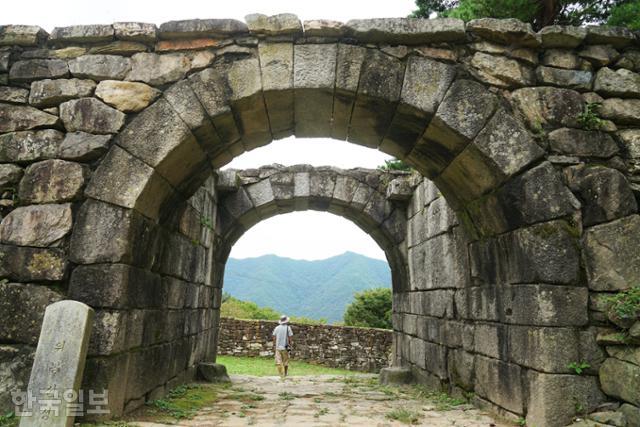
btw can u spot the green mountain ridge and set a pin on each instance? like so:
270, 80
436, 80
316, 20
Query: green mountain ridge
314, 289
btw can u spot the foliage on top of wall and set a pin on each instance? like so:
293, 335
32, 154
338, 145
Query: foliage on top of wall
370, 308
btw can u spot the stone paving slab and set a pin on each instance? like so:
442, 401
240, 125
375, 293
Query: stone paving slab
324, 400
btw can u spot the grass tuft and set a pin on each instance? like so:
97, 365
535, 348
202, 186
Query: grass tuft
265, 367
404, 416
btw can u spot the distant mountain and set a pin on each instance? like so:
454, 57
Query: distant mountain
314, 289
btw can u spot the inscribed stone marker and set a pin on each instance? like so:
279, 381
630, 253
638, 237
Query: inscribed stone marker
59, 364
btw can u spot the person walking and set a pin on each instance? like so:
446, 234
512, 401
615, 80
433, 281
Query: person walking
282, 342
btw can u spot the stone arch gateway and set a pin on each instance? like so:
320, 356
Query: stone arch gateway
112, 136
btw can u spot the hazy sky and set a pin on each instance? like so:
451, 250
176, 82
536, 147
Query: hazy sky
303, 235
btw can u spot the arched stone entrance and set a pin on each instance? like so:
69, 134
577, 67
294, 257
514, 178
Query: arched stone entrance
538, 205
374, 200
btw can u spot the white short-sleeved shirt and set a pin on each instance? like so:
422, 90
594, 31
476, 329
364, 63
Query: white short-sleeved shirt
281, 332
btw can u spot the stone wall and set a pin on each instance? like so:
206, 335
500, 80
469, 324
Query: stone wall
108, 131
359, 349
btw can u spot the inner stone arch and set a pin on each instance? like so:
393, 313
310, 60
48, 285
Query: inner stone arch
373, 200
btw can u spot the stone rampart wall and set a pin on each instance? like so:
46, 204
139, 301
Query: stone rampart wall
358, 349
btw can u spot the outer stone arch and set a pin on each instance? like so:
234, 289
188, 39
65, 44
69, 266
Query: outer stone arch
450, 127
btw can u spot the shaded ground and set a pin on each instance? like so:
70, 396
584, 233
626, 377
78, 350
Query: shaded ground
321, 400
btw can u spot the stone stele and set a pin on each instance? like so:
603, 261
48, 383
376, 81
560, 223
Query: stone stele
59, 364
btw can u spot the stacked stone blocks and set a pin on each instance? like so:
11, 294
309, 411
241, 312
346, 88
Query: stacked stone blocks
108, 131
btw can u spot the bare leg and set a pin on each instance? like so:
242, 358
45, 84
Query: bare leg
286, 370
281, 370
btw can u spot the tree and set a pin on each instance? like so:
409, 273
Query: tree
539, 13
626, 15
370, 308
394, 165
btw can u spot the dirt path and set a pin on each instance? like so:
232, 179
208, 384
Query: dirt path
327, 401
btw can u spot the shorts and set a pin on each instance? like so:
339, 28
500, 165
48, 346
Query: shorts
282, 357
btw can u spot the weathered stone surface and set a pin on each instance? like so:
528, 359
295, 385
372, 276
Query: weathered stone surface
22, 309
5, 55
500, 71
10, 175
611, 374
91, 116
609, 418
26, 264
49, 93
100, 67
276, 25
615, 36
605, 194
507, 143
323, 28
82, 34
561, 58
622, 111
406, 30
124, 180
599, 55
379, 89
101, 234
630, 139
423, 94
69, 52
562, 36
505, 31
83, 147
610, 257
276, 64
499, 382
21, 35
119, 286
17, 117
314, 68
52, 181
396, 376
38, 225
156, 69
552, 398
572, 79
13, 95
29, 146
195, 28
189, 44
502, 149
466, 108
63, 344
213, 372
185, 103
118, 47
15, 365
631, 414
582, 143
622, 83
227, 180
135, 31
545, 253
176, 155
546, 106
537, 195
35, 69
126, 96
